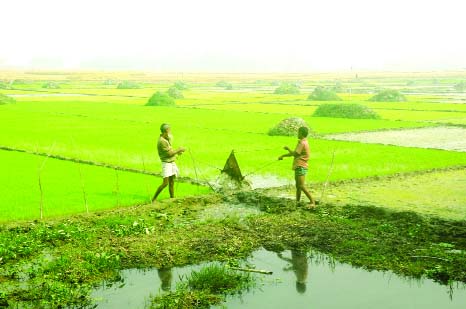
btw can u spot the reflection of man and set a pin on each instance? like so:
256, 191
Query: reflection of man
165, 275
300, 267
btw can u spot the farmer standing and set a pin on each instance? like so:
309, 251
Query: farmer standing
168, 156
300, 166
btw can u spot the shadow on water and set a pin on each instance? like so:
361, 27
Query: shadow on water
301, 279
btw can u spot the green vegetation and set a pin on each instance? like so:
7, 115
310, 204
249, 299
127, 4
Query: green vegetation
180, 85
353, 111
110, 82
130, 130
435, 194
338, 87
128, 85
4, 99
4, 85
460, 87
323, 94
68, 188
51, 85
388, 96
175, 93
225, 85
83, 251
204, 288
20, 82
287, 88
160, 99
288, 127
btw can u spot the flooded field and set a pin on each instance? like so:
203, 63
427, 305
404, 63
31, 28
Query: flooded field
300, 279
447, 138
436, 193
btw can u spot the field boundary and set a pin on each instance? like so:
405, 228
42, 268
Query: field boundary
101, 164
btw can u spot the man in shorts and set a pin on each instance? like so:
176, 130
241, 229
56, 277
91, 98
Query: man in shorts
168, 156
300, 166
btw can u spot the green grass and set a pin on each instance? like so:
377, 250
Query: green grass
203, 288
125, 135
63, 184
66, 258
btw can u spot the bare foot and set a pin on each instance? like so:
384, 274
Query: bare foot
311, 206
300, 204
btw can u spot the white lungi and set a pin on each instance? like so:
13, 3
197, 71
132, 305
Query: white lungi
169, 169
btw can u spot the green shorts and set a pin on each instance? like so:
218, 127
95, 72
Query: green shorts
300, 171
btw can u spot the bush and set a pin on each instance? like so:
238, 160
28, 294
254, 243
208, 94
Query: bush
288, 127
410, 83
225, 85
180, 85
17, 82
175, 93
51, 85
4, 99
388, 96
4, 85
460, 87
222, 83
109, 82
323, 94
128, 85
287, 88
160, 99
353, 111
338, 87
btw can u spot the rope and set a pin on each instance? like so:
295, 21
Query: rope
195, 171
328, 177
254, 150
261, 168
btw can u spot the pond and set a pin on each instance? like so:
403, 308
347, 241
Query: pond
300, 279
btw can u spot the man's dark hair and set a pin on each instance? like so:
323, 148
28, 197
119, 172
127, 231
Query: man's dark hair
303, 131
164, 127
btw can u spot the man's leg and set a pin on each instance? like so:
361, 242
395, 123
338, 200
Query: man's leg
301, 181
298, 188
171, 185
160, 188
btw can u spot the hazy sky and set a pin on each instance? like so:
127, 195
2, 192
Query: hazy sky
237, 35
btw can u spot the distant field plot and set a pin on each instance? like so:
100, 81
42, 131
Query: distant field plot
264, 108
447, 138
420, 115
418, 106
64, 185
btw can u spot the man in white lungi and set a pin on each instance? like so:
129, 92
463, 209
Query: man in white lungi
168, 156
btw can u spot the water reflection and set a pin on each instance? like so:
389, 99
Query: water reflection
166, 277
299, 265
357, 288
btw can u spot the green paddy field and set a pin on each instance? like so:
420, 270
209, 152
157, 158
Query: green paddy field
91, 121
